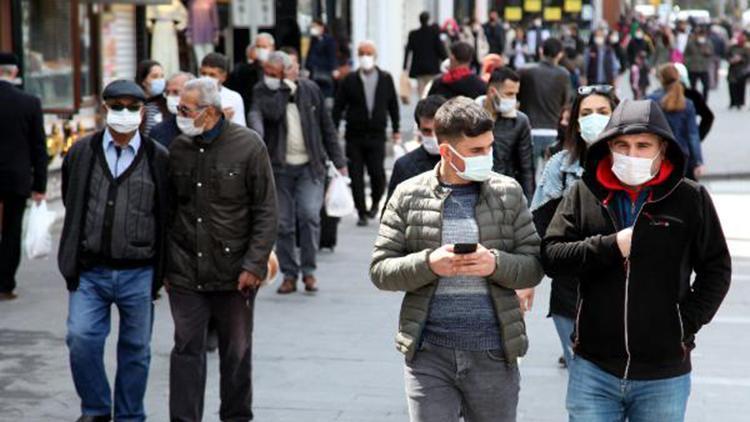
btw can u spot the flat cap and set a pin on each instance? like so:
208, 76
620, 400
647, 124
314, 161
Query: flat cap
8, 59
123, 88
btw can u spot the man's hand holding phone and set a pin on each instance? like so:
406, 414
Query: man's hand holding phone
467, 259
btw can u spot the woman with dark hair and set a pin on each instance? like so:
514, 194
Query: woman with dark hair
681, 115
150, 76
589, 114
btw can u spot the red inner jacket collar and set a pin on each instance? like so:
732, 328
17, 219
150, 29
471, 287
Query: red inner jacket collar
456, 74
607, 178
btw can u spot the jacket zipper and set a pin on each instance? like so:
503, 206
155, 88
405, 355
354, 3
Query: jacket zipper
429, 304
627, 271
682, 332
578, 319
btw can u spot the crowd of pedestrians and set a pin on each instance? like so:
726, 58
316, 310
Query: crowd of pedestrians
528, 163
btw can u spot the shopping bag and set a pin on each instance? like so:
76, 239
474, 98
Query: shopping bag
399, 150
404, 88
38, 237
339, 201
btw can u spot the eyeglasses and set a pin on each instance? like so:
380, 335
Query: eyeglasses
120, 107
599, 89
184, 111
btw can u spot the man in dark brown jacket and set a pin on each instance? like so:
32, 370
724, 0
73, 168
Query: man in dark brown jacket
223, 228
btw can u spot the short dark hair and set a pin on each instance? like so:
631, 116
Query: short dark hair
424, 18
427, 107
503, 74
216, 60
551, 47
143, 69
459, 117
462, 51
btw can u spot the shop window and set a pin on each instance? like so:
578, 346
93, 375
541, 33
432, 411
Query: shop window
48, 53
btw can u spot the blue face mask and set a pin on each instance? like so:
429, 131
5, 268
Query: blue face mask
157, 86
476, 169
591, 126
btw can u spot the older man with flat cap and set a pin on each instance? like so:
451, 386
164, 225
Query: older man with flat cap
114, 186
23, 167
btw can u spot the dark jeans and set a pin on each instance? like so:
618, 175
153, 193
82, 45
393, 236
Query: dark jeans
700, 76
300, 197
737, 92
366, 150
233, 317
10, 239
88, 328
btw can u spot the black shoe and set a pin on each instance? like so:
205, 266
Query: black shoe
98, 418
6, 296
362, 221
372, 214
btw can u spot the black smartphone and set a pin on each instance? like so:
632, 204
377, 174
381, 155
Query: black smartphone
464, 248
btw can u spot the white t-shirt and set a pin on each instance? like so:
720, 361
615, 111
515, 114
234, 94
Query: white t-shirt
233, 99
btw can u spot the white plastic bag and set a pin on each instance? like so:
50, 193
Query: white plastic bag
38, 238
339, 200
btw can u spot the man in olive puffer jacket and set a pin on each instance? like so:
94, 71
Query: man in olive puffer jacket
461, 326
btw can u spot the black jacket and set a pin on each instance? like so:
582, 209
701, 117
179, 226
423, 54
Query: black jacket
427, 51
165, 131
242, 80
637, 317
495, 33
513, 151
23, 150
268, 117
702, 110
471, 86
223, 209
76, 174
411, 164
350, 101
545, 89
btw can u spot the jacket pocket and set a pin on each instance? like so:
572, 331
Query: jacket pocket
229, 181
229, 258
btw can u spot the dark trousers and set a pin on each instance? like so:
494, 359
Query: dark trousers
737, 93
10, 239
233, 316
700, 76
300, 197
366, 150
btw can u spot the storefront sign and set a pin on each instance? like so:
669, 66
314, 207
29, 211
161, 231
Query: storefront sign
573, 6
513, 14
258, 13
532, 5
552, 14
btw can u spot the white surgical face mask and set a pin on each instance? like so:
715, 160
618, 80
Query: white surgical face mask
504, 105
187, 126
262, 53
632, 171
367, 62
172, 102
123, 121
476, 169
599, 40
430, 144
315, 31
272, 83
157, 86
591, 126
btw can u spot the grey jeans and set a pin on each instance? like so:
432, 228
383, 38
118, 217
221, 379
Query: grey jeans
442, 384
300, 195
